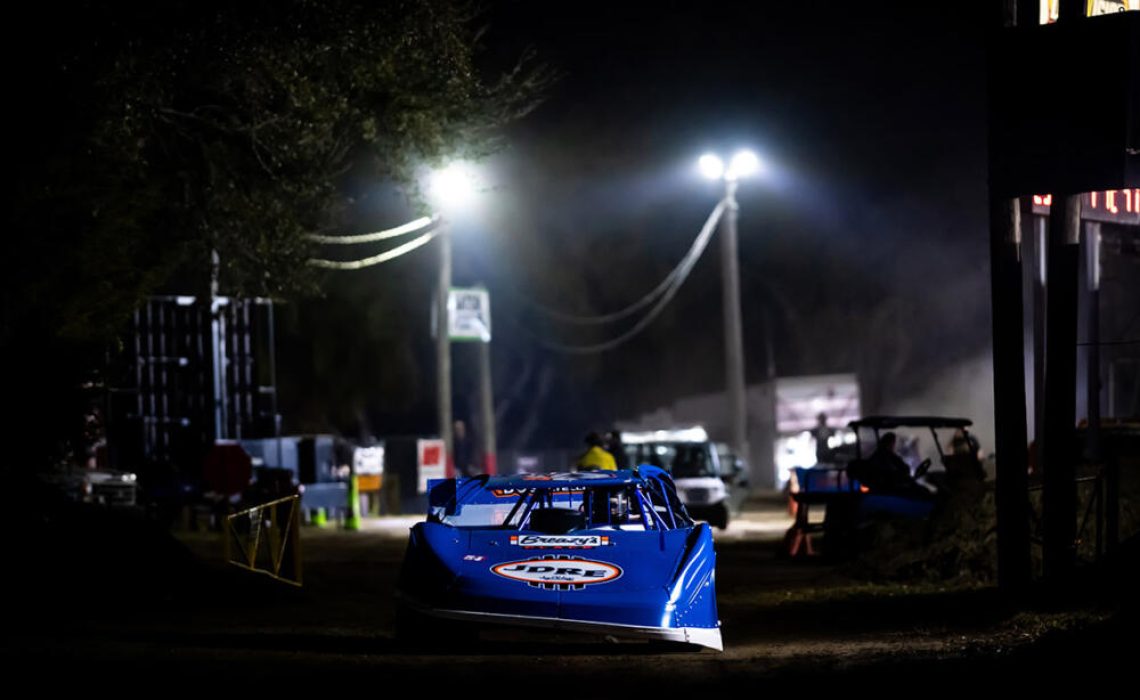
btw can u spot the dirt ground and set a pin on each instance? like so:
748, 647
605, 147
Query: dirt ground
784, 621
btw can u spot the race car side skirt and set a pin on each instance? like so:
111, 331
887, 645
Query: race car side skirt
702, 636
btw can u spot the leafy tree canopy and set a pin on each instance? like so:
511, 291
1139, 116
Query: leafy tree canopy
144, 136
160, 132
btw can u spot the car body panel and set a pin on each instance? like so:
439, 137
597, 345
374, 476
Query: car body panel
623, 579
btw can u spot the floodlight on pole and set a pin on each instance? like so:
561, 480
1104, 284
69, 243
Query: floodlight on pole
711, 166
451, 189
743, 164
452, 185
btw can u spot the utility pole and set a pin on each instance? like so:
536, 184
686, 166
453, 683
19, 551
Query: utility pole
1111, 507
733, 333
1057, 445
487, 408
218, 348
1009, 394
1092, 383
1058, 438
1009, 364
443, 343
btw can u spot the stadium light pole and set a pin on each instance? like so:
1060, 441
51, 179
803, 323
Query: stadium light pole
743, 164
451, 187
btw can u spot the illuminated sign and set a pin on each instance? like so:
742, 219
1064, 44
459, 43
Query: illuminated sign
431, 464
1049, 9
1110, 206
469, 314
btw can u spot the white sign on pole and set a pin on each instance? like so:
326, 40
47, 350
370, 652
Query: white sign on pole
431, 462
368, 460
469, 314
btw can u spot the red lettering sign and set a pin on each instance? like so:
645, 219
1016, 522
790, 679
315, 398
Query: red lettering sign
1110, 206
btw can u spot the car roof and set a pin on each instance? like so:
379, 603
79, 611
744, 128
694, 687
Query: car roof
575, 479
910, 421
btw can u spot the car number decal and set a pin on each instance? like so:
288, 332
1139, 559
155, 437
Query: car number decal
558, 572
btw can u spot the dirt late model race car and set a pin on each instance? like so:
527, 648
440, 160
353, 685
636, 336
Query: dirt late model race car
611, 553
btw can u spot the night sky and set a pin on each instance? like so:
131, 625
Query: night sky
865, 245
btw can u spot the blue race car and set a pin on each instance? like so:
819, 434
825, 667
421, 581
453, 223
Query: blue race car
606, 552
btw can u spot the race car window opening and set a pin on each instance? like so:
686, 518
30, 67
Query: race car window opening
661, 502
445, 503
648, 514
665, 500
520, 503
650, 506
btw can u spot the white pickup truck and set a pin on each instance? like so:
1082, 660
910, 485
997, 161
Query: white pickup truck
695, 465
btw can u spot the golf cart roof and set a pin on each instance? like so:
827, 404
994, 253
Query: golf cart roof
887, 422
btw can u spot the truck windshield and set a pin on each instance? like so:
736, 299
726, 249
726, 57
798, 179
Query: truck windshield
683, 460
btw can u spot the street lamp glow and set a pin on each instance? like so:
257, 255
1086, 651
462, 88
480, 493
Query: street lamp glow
743, 164
711, 166
453, 185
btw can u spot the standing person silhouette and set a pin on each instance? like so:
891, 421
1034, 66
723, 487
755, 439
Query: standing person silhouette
614, 447
823, 453
464, 451
596, 456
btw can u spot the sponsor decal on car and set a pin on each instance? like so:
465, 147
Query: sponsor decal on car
558, 572
567, 476
507, 493
473, 557
559, 476
560, 541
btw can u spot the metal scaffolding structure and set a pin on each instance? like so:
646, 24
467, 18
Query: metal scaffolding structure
193, 373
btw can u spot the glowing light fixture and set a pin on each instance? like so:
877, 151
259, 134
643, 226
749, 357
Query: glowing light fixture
711, 166
743, 164
453, 185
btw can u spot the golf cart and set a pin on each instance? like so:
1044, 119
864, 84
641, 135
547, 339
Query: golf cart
888, 475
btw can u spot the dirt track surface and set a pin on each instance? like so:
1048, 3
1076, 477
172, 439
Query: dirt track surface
783, 621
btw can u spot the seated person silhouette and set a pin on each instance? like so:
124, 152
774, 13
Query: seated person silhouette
964, 461
884, 471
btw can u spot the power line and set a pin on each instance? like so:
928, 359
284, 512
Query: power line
409, 227
682, 272
616, 315
687, 260
376, 259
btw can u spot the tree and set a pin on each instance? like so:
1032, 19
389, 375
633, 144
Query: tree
159, 134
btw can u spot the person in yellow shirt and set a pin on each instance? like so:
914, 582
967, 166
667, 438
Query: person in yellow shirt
596, 457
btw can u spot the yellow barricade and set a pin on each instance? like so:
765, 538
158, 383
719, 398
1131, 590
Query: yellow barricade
266, 539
